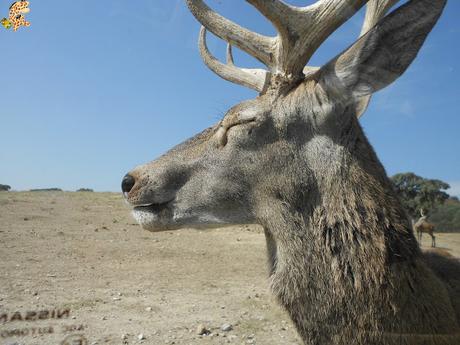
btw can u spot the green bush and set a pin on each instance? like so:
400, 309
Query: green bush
4, 187
46, 190
447, 216
85, 190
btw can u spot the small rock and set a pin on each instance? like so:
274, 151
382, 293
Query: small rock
202, 330
226, 327
141, 336
148, 309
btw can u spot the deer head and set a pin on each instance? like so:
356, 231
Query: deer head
278, 148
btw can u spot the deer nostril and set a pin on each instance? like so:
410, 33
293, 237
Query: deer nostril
127, 183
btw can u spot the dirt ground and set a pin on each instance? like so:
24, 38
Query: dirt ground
83, 253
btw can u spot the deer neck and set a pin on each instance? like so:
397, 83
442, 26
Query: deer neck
344, 252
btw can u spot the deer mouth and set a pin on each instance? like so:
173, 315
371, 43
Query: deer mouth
154, 216
152, 207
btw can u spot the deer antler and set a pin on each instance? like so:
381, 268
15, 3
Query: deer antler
257, 45
422, 212
376, 10
253, 78
301, 31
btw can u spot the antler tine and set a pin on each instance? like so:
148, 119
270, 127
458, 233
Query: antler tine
326, 16
376, 10
259, 46
255, 79
230, 55
277, 12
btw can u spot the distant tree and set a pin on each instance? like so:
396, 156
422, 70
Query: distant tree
85, 190
4, 187
447, 216
419, 194
46, 190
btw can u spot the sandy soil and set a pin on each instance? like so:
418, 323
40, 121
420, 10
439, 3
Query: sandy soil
83, 252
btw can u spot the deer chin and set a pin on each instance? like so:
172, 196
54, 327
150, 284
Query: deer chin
156, 217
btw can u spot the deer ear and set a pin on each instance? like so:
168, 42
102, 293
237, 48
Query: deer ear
386, 51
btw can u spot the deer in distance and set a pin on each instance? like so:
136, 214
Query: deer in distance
422, 225
343, 259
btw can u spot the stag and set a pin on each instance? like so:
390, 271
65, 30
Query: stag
343, 260
422, 225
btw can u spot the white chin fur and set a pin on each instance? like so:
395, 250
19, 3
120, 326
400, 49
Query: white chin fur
148, 220
155, 222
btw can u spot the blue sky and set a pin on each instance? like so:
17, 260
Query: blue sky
94, 88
